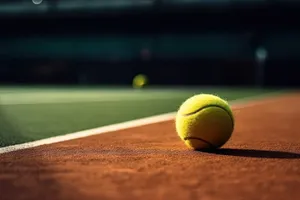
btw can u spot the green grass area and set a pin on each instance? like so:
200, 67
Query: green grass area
28, 114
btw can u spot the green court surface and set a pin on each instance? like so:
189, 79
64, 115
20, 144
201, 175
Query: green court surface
28, 114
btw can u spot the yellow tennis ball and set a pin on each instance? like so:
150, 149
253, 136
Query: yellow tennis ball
204, 121
139, 81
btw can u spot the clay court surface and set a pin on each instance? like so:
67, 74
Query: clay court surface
261, 161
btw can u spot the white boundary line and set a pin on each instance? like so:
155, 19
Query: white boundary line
236, 104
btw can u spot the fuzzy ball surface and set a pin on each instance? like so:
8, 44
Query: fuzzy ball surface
204, 121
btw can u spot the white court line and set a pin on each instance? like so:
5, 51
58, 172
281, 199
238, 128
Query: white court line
237, 104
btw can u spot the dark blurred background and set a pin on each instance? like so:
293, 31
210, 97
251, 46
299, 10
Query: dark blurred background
173, 42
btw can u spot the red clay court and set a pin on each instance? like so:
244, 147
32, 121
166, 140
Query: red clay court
261, 161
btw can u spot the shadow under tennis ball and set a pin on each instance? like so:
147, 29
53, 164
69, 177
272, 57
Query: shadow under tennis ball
255, 153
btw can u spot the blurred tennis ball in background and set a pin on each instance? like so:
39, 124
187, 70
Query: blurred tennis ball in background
140, 81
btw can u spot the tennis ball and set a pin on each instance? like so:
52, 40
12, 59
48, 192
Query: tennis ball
139, 81
204, 121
